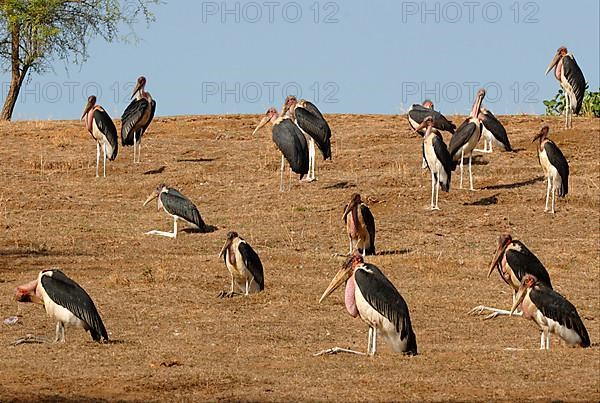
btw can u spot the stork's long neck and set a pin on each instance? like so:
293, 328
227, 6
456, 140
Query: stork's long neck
142, 94
231, 254
350, 297
89, 118
558, 68
354, 217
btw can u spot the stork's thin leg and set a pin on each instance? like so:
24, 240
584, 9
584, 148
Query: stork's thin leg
165, 233
462, 158
432, 189
566, 110
547, 334
105, 160
247, 287
336, 350
134, 147
374, 341
281, 174
437, 191
351, 246
547, 194
230, 294
495, 312
97, 158
370, 341
553, 196
313, 176
491, 142
470, 173
60, 332
161, 233
139, 151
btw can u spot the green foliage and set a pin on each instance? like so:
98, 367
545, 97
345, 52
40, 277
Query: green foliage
589, 107
61, 29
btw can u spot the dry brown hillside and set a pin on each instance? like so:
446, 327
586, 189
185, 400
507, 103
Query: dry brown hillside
173, 340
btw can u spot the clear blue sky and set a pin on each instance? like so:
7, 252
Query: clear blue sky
210, 57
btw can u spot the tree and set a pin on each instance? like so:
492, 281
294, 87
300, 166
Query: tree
34, 33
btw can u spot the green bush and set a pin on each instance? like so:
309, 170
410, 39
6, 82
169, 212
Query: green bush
590, 106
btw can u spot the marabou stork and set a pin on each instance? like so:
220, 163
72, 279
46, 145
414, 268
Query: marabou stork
65, 302
360, 226
102, 129
289, 139
552, 312
417, 114
514, 261
466, 137
571, 80
555, 166
492, 131
244, 265
137, 118
310, 120
370, 295
438, 160
178, 206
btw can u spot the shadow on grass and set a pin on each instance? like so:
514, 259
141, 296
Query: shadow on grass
516, 184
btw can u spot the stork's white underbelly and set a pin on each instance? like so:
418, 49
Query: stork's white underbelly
382, 325
358, 233
240, 273
549, 169
432, 160
101, 138
570, 336
60, 313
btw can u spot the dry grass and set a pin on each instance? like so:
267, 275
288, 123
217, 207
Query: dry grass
173, 340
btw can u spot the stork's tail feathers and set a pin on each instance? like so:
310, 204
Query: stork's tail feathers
411, 347
112, 152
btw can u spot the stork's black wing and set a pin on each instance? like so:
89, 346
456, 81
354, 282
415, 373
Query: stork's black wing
292, 144
107, 127
381, 294
558, 160
253, 263
152, 111
574, 76
461, 137
418, 113
68, 294
525, 262
496, 128
370, 224
130, 118
558, 308
442, 154
311, 120
178, 205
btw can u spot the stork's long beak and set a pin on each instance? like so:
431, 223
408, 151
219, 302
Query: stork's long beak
136, 89
348, 209
538, 136
521, 293
340, 278
497, 256
224, 248
153, 196
88, 106
553, 62
263, 122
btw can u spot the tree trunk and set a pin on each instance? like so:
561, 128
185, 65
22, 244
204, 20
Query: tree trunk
18, 74
13, 93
